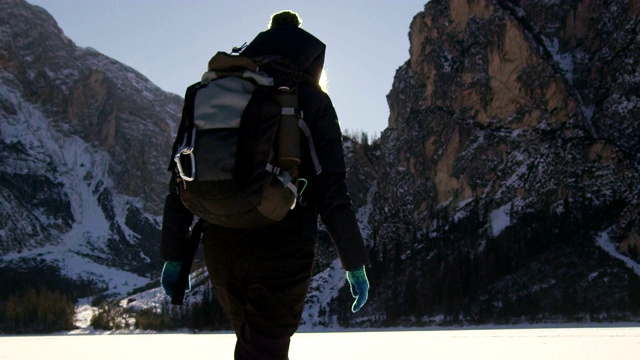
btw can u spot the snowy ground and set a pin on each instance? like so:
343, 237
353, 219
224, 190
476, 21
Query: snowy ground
605, 342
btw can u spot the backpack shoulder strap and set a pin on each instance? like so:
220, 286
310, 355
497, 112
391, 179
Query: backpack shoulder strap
312, 149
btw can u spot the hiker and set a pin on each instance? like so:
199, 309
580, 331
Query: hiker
261, 275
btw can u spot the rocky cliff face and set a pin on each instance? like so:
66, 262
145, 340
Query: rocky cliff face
510, 170
84, 143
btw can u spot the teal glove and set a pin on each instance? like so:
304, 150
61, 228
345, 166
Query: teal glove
359, 287
169, 277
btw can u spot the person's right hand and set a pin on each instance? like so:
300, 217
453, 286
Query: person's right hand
359, 287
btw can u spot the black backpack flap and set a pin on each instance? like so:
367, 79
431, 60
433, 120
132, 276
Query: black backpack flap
215, 154
256, 136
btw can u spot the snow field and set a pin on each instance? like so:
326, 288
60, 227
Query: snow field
616, 342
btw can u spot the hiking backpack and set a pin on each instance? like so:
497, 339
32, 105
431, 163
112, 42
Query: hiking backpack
238, 145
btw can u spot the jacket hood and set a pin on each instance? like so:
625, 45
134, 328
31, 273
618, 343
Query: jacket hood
304, 49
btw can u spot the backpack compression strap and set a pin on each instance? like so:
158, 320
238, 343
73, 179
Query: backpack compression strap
285, 177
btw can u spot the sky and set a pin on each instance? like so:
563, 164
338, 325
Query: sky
171, 41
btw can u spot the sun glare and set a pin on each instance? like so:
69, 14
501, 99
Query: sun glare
324, 81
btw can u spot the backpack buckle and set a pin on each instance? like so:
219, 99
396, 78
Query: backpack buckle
186, 150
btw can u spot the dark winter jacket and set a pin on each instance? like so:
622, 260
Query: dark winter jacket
326, 194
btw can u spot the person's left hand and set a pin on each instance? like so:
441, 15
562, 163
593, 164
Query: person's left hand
359, 287
169, 277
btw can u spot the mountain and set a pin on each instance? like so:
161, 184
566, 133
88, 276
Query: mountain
510, 171
84, 144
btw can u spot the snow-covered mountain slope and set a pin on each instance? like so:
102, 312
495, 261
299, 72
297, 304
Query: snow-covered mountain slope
84, 144
56, 200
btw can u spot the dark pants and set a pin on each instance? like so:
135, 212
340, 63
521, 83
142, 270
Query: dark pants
261, 278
